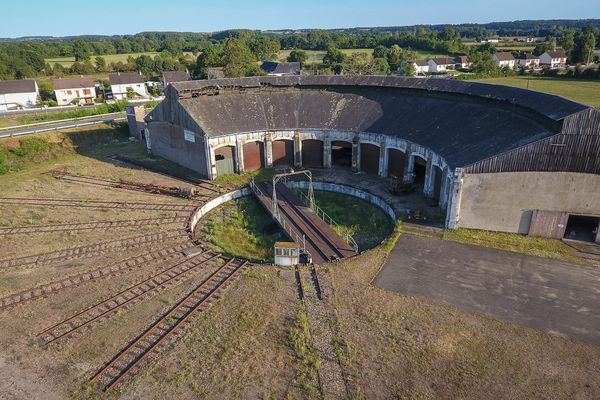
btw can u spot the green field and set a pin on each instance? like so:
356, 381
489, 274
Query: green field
68, 61
587, 92
316, 56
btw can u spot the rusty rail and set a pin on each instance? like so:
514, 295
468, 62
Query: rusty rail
97, 204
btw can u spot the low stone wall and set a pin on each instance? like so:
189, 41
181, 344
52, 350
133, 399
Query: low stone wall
214, 203
347, 190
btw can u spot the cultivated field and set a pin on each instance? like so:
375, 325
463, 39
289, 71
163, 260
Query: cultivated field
68, 61
587, 92
316, 56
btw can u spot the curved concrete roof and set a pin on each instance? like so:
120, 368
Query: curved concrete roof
464, 122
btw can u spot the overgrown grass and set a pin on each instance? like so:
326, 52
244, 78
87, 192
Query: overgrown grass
17, 156
301, 342
234, 181
84, 112
243, 228
535, 246
366, 223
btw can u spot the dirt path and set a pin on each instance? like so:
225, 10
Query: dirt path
320, 318
17, 383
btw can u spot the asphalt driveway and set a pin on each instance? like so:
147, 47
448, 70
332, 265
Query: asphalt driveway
539, 293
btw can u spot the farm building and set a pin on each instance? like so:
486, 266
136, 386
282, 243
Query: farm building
495, 157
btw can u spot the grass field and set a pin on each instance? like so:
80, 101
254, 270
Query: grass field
587, 92
68, 61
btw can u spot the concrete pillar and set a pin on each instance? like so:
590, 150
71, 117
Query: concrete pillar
453, 213
356, 153
445, 189
409, 166
297, 150
239, 157
428, 187
327, 151
269, 150
382, 158
211, 163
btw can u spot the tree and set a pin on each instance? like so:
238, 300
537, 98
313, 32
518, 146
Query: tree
239, 60
568, 42
585, 42
100, 64
409, 69
540, 49
395, 56
360, 64
382, 66
210, 56
380, 52
81, 50
298, 56
482, 61
333, 56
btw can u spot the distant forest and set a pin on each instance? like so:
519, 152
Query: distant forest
238, 50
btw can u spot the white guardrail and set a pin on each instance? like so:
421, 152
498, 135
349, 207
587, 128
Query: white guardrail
39, 127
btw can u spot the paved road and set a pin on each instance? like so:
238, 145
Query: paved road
543, 294
53, 126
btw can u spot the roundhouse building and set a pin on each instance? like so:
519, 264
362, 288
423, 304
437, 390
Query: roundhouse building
494, 157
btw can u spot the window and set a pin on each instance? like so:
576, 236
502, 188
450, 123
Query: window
87, 92
69, 92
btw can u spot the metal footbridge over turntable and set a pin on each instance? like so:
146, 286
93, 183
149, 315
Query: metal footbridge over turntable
304, 222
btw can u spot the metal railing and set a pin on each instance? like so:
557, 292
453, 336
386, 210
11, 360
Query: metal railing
328, 220
290, 230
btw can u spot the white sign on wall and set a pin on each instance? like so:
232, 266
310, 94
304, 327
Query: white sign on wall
189, 136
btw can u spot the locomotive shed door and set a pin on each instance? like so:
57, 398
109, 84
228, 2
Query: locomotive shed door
283, 153
254, 156
224, 160
312, 153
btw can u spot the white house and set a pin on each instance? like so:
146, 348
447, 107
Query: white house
528, 60
555, 59
441, 64
121, 83
74, 91
421, 67
17, 94
504, 59
462, 62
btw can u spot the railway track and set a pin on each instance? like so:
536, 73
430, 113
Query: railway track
199, 183
129, 359
92, 249
127, 185
135, 223
127, 297
97, 204
75, 280
313, 278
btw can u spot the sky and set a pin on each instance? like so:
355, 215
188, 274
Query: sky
112, 17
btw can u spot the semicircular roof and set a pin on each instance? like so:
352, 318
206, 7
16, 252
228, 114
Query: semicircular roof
464, 122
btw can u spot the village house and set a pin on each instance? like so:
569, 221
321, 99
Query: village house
16, 94
421, 67
275, 68
462, 62
175, 76
441, 64
528, 60
504, 59
554, 58
77, 91
126, 84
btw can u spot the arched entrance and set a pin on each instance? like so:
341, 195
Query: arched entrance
224, 160
369, 158
396, 161
341, 153
312, 153
419, 170
283, 153
254, 156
